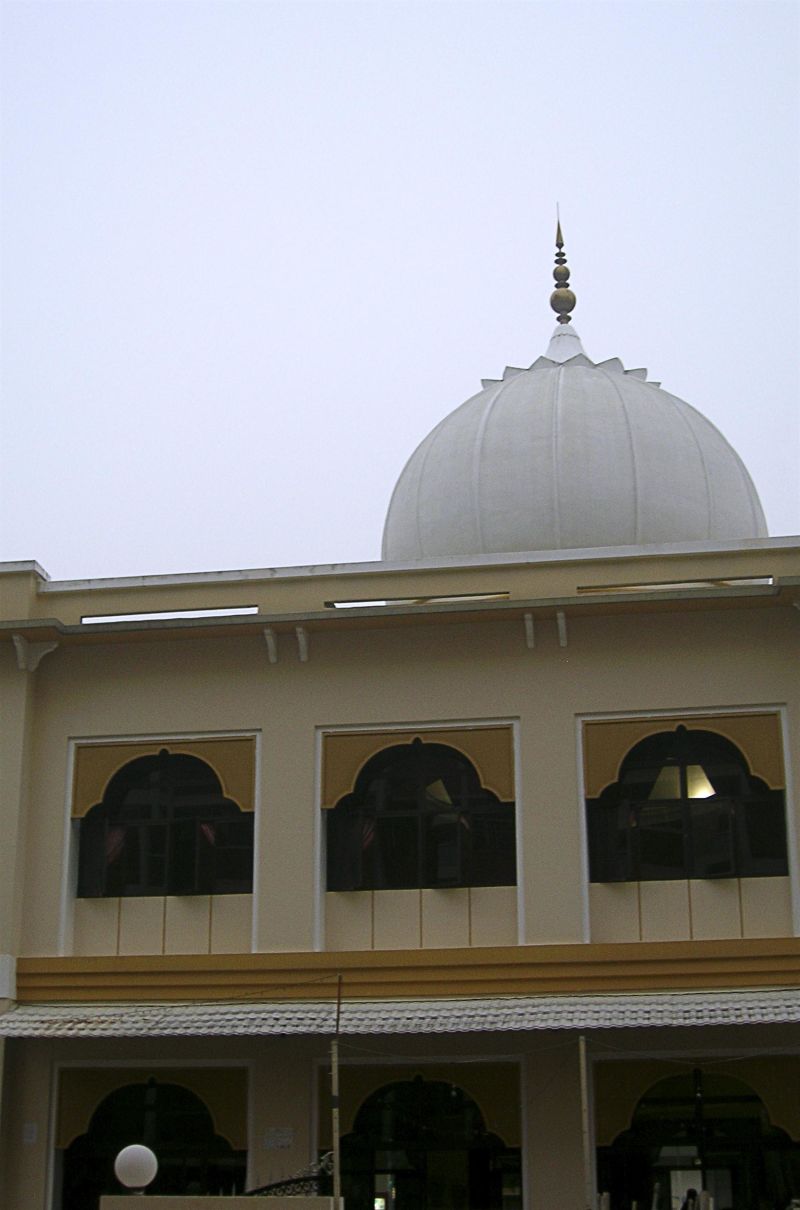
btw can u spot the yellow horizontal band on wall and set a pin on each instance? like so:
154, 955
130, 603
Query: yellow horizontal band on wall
612, 967
223, 1090
494, 1087
233, 760
606, 743
490, 749
619, 1085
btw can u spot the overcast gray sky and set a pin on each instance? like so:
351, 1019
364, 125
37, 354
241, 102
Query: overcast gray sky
254, 251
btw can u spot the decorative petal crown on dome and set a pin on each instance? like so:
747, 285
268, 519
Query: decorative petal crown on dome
569, 454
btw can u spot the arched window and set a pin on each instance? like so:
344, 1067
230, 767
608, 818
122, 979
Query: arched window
165, 828
685, 805
700, 1130
422, 1145
170, 1119
419, 817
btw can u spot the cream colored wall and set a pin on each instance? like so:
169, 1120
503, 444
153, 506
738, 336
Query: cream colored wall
123, 690
284, 1080
552, 1121
282, 1090
378, 677
494, 1086
620, 1084
554, 578
283, 1083
179, 924
19, 593
25, 1139
6, 1123
427, 919
17, 690
17, 694
701, 909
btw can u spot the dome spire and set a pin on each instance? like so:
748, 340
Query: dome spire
562, 300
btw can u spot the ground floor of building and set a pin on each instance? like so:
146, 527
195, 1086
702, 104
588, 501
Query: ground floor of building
497, 1120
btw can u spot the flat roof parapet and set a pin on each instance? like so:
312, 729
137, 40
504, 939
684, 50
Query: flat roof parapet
481, 585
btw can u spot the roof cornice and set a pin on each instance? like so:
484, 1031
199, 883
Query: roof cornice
386, 567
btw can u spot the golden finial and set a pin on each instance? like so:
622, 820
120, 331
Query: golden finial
562, 300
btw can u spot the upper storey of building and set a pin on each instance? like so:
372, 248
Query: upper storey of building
569, 454
757, 573
567, 487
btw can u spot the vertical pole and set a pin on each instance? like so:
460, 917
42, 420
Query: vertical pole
699, 1124
337, 1159
588, 1166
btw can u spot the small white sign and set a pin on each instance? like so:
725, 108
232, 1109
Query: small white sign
278, 1138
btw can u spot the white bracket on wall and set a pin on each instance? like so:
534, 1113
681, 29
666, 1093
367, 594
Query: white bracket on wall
529, 638
302, 643
271, 639
561, 622
30, 655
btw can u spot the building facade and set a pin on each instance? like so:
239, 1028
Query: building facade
522, 828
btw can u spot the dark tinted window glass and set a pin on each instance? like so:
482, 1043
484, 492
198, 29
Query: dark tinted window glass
660, 836
419, 817
164, 828
686, 806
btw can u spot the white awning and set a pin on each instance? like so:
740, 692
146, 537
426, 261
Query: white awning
441, 1016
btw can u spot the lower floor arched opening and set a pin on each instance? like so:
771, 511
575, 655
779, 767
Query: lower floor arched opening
423, 1145
170, 1119
704, 1131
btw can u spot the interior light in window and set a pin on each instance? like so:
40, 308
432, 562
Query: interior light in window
697, 784
668, 783
438, 792
686, 806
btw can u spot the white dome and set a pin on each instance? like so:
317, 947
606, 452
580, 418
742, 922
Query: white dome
569, 454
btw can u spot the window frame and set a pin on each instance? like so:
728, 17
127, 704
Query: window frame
615, 849
357, 860
129, 829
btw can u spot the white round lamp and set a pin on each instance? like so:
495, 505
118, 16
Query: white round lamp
135, 1167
